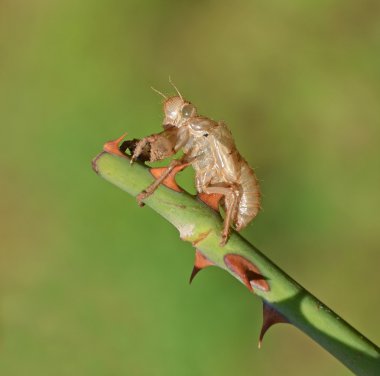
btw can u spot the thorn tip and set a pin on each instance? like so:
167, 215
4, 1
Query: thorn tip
200, 263
270, 317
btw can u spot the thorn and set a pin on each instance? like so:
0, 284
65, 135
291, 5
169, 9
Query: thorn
169, 182
112, 147
270, 317
200, 263
248, 272
211, 200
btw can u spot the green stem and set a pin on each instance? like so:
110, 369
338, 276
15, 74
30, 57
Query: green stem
193, 219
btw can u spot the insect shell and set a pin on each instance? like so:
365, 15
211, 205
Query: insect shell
219, 168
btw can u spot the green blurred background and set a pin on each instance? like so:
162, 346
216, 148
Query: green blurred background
93, 285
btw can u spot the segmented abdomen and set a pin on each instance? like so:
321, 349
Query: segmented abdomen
249, 204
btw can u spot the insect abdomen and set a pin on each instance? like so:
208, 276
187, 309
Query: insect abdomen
249, 205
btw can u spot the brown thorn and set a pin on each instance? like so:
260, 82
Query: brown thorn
169, 182
200, 263
270, 317
248, 272
112, 147
211, 200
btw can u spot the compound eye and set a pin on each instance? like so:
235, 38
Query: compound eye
188, 110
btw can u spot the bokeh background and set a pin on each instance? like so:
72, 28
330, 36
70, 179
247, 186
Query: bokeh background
93, 285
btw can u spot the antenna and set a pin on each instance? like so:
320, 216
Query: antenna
159, 92
171, 83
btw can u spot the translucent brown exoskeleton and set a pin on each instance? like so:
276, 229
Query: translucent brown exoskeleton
207, 146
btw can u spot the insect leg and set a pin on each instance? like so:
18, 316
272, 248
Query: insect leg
176, 164
232, 197
139, 147
157, 146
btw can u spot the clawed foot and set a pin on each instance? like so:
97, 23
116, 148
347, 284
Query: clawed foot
224, 238
133, 159
141, 197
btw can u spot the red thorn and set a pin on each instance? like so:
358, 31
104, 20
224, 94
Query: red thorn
270, 317
248, 272
212, 200
112, 147
200, 263
169, 182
